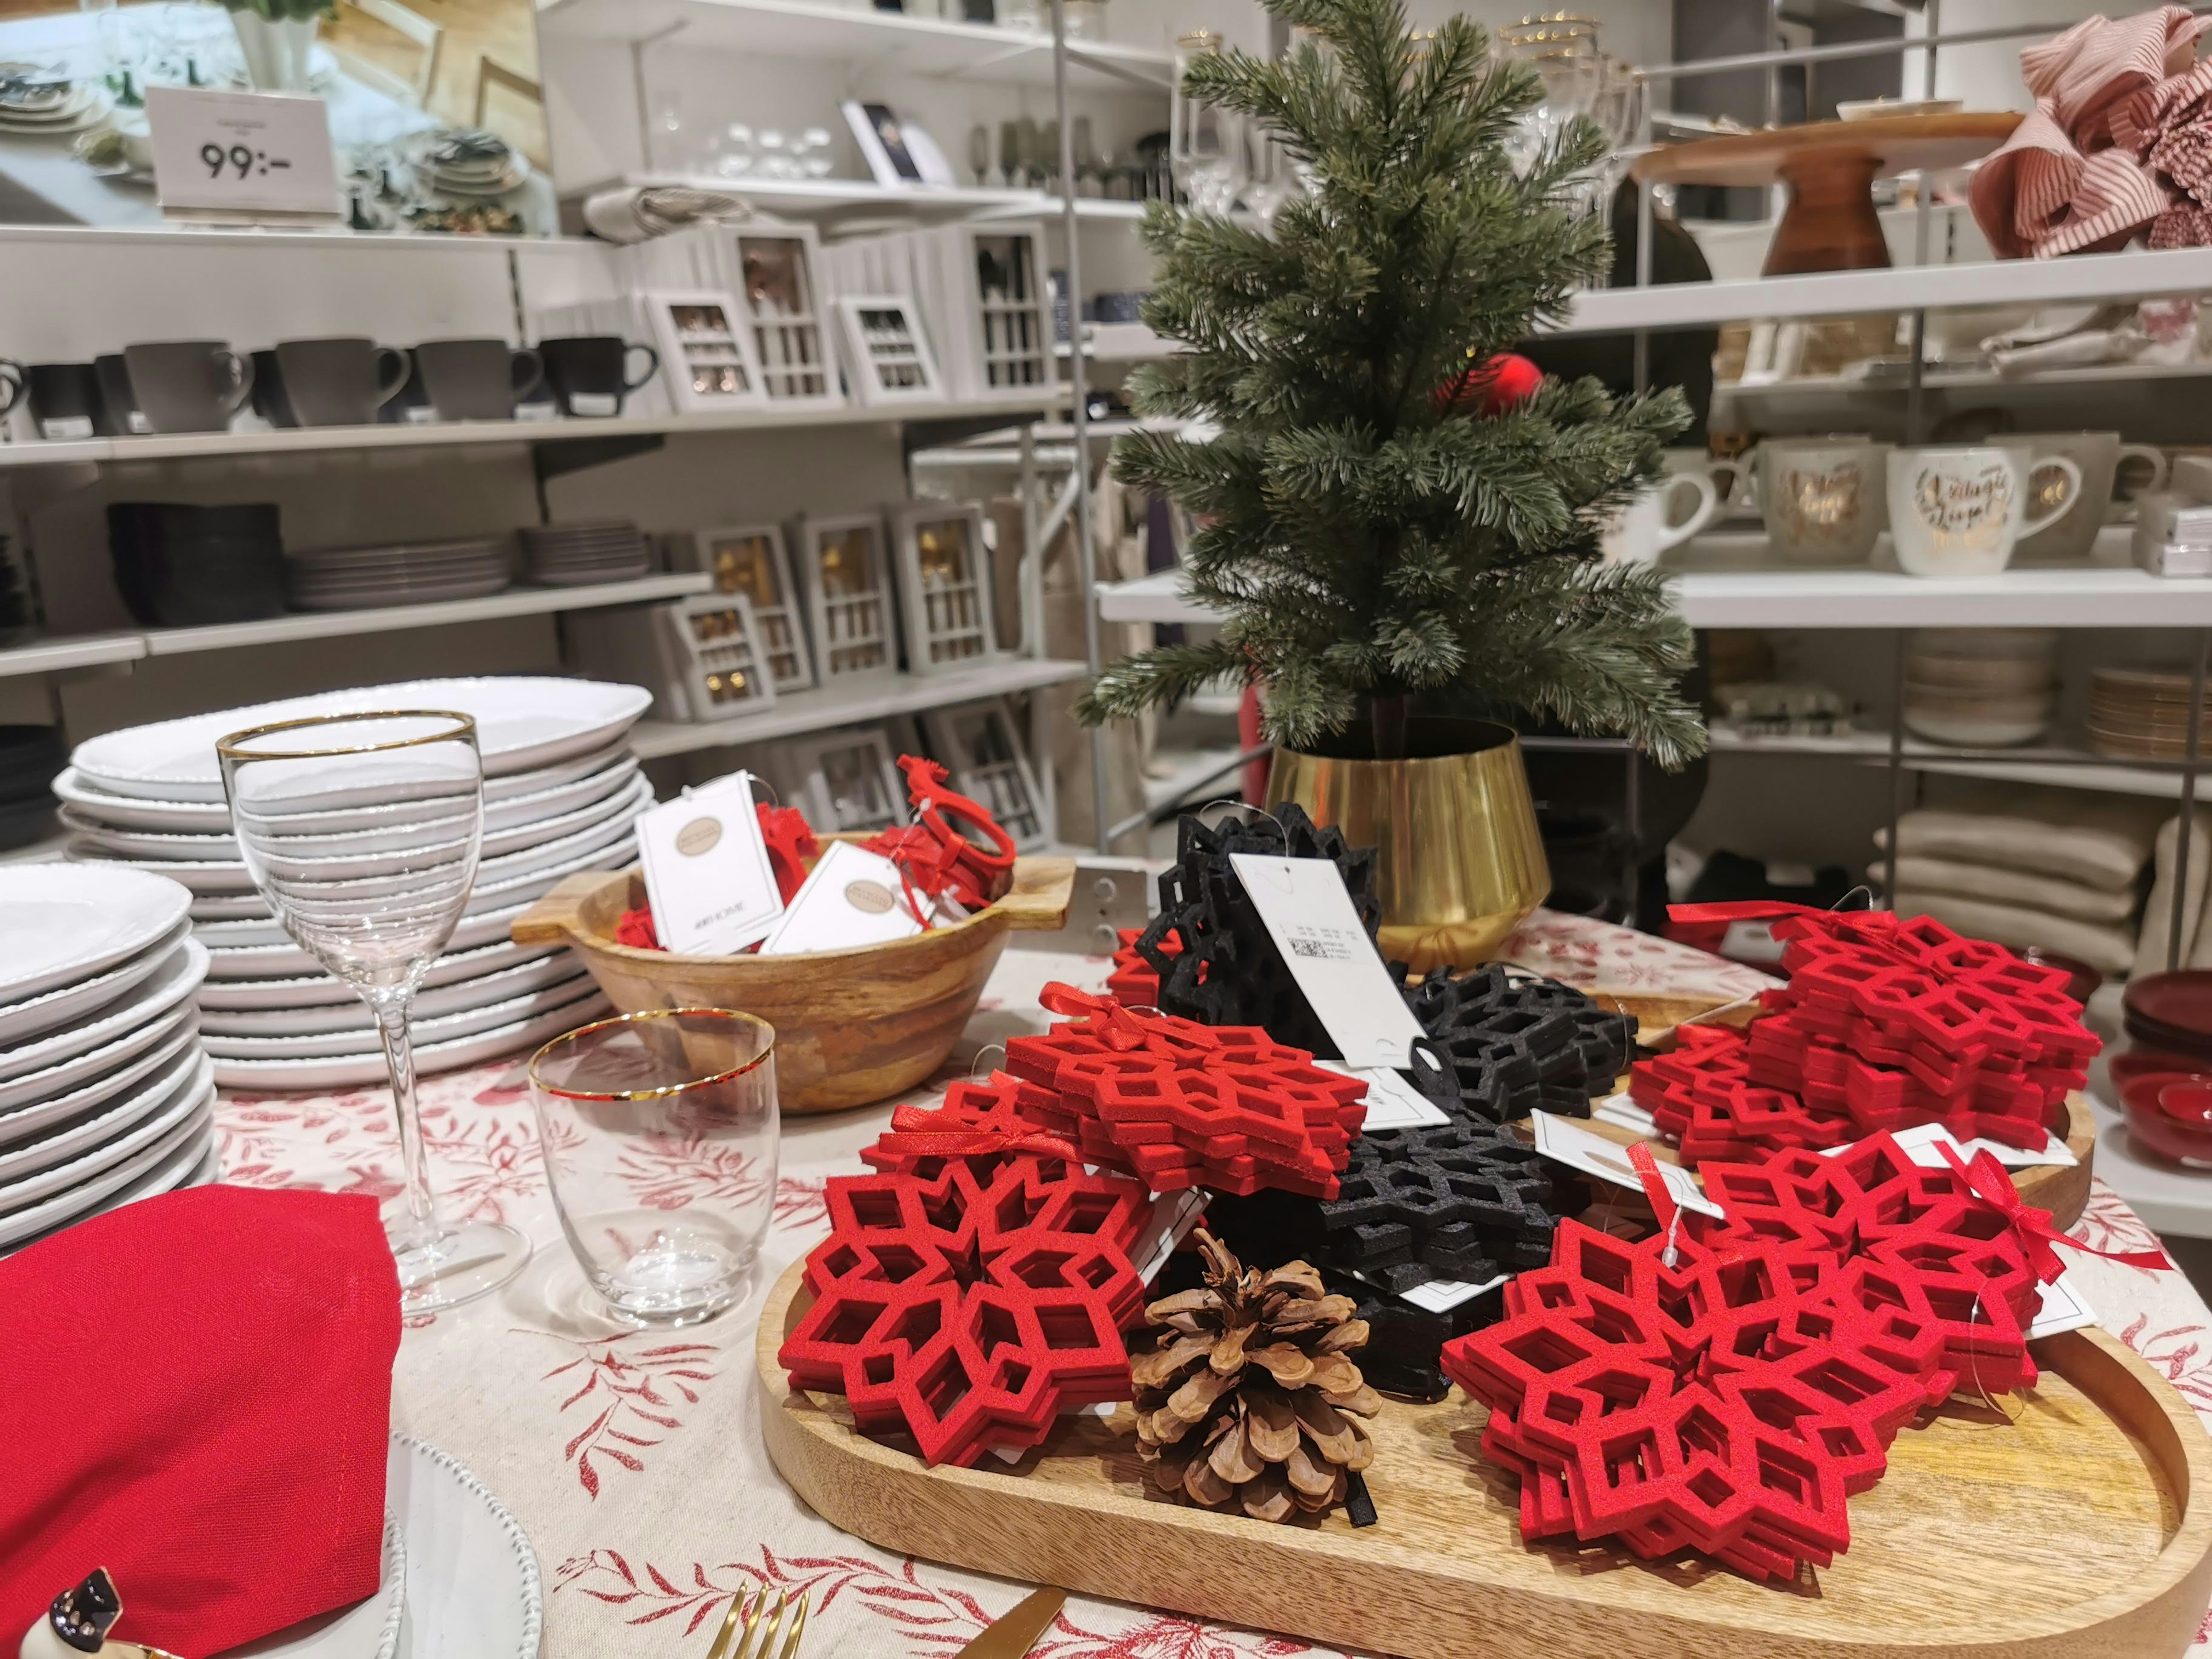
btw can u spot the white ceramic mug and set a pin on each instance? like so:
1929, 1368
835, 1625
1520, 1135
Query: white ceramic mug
2072, 538
1960, 512
1640, 532
1821, 497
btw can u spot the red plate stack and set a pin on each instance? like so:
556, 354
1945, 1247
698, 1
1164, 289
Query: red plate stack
1884, 1024
1184, 1104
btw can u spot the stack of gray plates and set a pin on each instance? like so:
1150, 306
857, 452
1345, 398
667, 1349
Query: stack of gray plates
105, 1094
411, 572
561, 791
577, 555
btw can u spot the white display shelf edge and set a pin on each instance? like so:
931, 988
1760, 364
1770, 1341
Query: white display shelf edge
2076, 768
79, 651
815, 711
439, 435
1843, 293
1820, 600
836, 198
919, 45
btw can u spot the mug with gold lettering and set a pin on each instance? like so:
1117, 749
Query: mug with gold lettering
1821, 497
1960, 512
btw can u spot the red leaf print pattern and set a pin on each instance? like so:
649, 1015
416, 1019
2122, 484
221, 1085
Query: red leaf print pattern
2179, 1355
667, 1173
627, 1388
930, 1620
2108, 1224
801, 1202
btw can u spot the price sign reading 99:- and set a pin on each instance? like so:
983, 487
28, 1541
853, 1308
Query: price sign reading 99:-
244, 153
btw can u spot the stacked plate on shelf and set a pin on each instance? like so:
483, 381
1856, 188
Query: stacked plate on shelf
471, 163
561, 791
1980, 688
29, 757
408, 572
32, 100
577, 555
105, 1094
2142, 713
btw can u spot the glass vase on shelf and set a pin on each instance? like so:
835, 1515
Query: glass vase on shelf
1205, 149
1020, 15
1086, 19
1274, 176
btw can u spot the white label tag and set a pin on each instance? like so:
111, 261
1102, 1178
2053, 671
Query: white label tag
1392, 1103
2064, 1308
851, 897
1310, 916
1624, 1113
241, 152
137, 421
593, 404
1443, 1295
1922, 1144
1751, 941
66, 426
1567, 1142
707, 870
1168, 1224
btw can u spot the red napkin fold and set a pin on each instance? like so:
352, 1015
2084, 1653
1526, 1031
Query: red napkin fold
199, 1398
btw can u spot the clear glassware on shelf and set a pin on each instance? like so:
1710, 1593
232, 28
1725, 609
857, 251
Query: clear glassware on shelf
1010, 165
1206, 145
682, 1091
1045, 163
377, 921
979, 153
772, 150
1086, 19
1090, 165
735, 155
1021, 15
1273, 178
811, 154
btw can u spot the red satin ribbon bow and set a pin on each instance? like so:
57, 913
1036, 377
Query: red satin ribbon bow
914, 1130
1987, 1179
1662, 1196
1124, 1030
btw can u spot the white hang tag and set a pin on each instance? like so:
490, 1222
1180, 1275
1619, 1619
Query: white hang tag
1443, 1295
1309, 915
2064, 1308
1923, 1142
1751, 942
1565, 1141
851, 897
1392, 1103
707, 870
1622, 1112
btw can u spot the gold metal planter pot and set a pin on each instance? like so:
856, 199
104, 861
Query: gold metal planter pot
1460, 861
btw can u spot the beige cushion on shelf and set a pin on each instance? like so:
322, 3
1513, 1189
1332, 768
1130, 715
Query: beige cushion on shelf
2099, 841
2107, 948
2157, 911
1988, 881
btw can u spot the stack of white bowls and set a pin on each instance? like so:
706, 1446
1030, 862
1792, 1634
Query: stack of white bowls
1981, 688
105, 1094
561, 791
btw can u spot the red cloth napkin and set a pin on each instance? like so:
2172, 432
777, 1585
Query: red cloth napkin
200, 1397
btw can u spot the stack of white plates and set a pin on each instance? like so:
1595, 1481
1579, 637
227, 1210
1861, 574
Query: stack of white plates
105, 1094
471, 163
31, 101
576, 554
561, 791
360, 578
1982, 688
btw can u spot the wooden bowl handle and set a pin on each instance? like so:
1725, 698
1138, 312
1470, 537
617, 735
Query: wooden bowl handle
558, 918
1038, 900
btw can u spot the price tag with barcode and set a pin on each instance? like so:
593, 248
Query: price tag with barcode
245, 154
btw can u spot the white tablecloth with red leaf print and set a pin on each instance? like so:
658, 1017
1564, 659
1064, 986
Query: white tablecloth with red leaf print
634, 1459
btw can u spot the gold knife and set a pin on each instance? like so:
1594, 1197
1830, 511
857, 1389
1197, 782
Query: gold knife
1009, 1635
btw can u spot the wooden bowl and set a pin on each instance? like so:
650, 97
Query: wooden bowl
852, 1027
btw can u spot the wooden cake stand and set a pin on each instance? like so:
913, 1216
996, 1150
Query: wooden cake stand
1829, 167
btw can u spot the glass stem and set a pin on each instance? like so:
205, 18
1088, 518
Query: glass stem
423, 1227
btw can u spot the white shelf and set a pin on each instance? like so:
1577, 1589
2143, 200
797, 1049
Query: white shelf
860, 38
149, 238
2072, 768
1191, 771
440, 434
1840, 599
342, 624
1123, 343
834, 201
816, 711
1845, 293
1979, 381
81, 651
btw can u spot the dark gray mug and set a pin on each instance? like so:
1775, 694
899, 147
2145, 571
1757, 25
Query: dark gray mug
334, 382
124, 415
188, 385
476, 379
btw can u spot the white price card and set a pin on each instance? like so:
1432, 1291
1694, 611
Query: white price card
242, 153
1392, 1103
1923, 1143
1567, 1142
1307, 912
707, 870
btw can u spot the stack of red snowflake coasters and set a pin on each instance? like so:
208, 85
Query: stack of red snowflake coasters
1730, 1401
1135, 983
1886, 1023
1184, 1104
967, 1306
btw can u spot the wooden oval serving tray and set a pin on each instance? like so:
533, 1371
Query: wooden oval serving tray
2084, 1528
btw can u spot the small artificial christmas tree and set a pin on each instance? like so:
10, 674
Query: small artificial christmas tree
1382, 531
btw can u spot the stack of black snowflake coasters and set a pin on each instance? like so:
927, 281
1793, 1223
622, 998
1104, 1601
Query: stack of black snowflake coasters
1229, 971
1519, 1044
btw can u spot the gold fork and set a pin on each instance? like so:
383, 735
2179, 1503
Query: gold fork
785, 1622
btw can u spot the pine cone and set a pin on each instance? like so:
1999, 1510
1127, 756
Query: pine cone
1249, 1398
